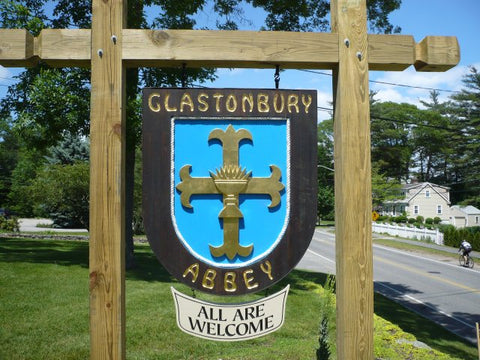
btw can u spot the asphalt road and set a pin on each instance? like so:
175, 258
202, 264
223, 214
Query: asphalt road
432, 285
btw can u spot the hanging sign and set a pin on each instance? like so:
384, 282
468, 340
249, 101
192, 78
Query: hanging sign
230, 322
229, 184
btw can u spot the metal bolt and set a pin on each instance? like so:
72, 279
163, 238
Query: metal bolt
359, 55
100, 52
114, 39
346, 42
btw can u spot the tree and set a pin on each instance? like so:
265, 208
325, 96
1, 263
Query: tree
383, 188
392, 148
325, 197
466, 109
61, 192
305, 15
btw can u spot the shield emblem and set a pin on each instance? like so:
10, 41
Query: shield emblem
229, 184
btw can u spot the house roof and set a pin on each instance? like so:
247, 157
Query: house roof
469, 209
419, 187
422, 186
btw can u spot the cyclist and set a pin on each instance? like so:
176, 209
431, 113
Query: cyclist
465, 247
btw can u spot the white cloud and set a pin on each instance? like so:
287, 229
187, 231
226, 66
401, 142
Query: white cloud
4, 75
420, 84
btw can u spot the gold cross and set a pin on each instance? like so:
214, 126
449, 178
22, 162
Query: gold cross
230, 180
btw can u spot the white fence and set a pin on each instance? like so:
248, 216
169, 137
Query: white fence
409, 232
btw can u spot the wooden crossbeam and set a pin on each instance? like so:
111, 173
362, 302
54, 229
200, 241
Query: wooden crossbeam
226, 49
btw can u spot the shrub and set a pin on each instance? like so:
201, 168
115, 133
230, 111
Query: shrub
429, 221
62, 193
10, 224
327, 345
437, 220
412, 220
453, 237
420, 219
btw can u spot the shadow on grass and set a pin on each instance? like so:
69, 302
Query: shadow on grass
44, 251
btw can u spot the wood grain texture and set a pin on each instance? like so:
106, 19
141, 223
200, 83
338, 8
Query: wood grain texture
353, 202
437, 53
390, 52
107, 182
65, 47
16, 48
196, 48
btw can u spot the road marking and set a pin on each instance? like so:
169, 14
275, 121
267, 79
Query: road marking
425, 304
422, 273
386, 248
420, 257
321, 256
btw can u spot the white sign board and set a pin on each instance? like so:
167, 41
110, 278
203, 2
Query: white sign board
230, 322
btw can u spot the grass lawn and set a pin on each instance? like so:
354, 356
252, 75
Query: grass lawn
44, 313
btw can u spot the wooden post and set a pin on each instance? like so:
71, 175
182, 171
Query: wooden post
478, 339
353, 201
107, 174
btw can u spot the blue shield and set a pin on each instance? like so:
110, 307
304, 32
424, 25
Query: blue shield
199, 226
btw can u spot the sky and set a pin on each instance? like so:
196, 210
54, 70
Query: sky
416, 17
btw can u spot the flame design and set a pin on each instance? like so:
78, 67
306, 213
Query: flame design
231, 172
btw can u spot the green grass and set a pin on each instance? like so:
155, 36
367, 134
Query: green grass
412, 247
44, 313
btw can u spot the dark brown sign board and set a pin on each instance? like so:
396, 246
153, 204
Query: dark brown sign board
229, 184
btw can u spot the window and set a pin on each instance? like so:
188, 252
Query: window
476, 220
439, 209
415, 209
427, 193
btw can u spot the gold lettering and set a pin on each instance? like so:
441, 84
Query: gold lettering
262, 103
208, 281
229, 281
231, 103
249, 280
217, 97
203, 104
267, 269
293, 102
154, 107
247, 98
186, 101
282, 104
307, 101
193, 270
167, 106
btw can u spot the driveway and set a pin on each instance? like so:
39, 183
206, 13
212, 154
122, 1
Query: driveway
30, 225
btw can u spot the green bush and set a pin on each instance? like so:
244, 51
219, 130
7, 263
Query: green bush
412, 220
429, 221
400, 219
453, 237
420, 219
437, 220
10, 225
61, 192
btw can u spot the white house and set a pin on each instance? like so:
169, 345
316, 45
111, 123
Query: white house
463, 216
421, 199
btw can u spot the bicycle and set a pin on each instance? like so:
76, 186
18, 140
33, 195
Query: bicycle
469, 263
